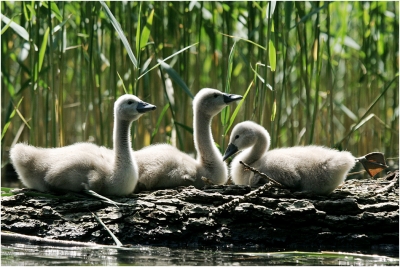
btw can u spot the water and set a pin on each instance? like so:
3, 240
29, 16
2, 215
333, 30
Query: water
18, 254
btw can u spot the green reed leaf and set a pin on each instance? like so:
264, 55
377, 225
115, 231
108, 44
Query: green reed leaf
42, 50
120, 32
236, 111
256, 74
7, 25
272, 55
246, 40
146, 65
227, 111
17, 28
171, 56
138, 30
31, 13
122, 82
273, 114
175, 77
146, 31
187, 128
56, 11
8, 121
59, 26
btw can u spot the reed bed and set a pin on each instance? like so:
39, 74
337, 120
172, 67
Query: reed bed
322, 73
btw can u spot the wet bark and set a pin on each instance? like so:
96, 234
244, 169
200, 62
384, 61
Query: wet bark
361, 214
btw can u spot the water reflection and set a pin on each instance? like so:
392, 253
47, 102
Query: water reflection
27, 254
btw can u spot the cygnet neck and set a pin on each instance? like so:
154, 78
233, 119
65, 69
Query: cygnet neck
259, 148
124, 166
122, 140
208, 154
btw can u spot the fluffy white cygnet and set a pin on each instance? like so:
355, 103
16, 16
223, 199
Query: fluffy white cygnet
85, 165
164, 166
313, 169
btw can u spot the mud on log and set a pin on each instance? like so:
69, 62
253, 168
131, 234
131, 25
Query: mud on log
360, 214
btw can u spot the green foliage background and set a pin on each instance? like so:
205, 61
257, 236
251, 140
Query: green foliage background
322, 73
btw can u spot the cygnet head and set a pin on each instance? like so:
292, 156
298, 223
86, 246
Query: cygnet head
211, 101
244, 135
130, 108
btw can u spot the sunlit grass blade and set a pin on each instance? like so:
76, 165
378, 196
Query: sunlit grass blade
59, 26
17, 28
155, 130
246, 40
138, 30
235, 112
146, 30
346, 110
229, 71
269, 9
272, 55
257, 75
122, 82
54, 9
121, 34
42, 50
7, 24
165, 59
146, 65
8, 120
227, 111
273, 114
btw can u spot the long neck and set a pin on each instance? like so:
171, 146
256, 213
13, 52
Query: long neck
122, 143
208, 154
257, 150
125, 169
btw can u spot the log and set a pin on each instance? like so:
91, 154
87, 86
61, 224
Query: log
361, 214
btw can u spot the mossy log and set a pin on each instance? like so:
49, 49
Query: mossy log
362, 214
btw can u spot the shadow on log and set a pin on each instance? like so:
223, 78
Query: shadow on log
362, 214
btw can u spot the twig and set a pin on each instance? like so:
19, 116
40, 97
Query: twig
103, 198
233, 203
117, 242
260, 173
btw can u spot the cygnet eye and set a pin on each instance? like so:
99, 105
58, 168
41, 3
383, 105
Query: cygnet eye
237, 136
215, 95
130, 102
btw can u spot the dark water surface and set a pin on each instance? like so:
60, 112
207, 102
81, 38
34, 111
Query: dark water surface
19, 254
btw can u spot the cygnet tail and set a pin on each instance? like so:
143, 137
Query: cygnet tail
23, 158
22, 155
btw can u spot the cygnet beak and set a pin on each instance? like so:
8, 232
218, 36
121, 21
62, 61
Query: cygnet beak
228, 98
145, 107
232, 149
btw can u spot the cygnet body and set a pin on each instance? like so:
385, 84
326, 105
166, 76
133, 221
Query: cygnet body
164, 166
314, 169
85, 165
